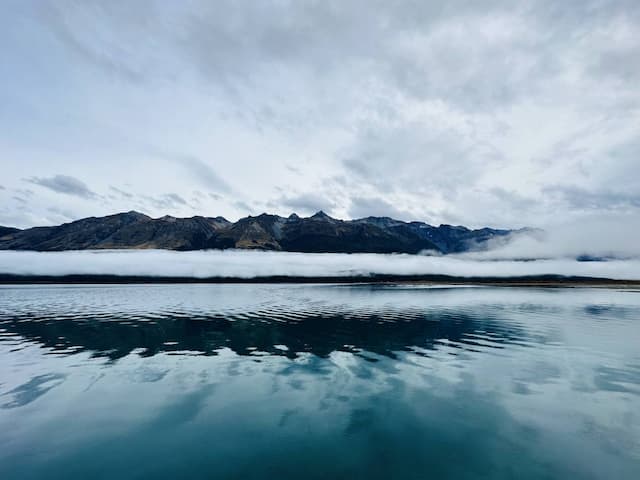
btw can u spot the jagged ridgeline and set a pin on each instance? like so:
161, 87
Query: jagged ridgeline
318, 233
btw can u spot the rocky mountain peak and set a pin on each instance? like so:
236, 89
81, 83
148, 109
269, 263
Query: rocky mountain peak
320, 215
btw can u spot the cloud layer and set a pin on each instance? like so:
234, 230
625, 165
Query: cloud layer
504, 114
247, 264
64, 184
610, 236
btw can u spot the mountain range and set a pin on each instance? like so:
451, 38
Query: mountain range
317, 233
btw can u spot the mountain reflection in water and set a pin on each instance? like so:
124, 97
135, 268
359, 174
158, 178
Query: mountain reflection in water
319, 381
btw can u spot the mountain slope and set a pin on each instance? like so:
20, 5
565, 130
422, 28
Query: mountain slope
7, 230
122, 230
318, 233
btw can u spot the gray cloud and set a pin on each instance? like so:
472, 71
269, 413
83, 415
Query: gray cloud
293, 169
62, 214
25, 192
204, 173
244, 207
410, 156
167, 201
120, 192
64, 184
476, 56
61, 22
365, 207
306, 203
512, 198
582, 198
175, 198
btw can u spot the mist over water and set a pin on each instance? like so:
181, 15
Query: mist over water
595, 236
249, 264
318, 381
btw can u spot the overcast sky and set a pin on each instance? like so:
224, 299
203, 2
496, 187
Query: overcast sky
478, 113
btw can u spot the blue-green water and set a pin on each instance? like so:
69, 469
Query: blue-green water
318, 381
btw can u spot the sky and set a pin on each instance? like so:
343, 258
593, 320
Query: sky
496, 113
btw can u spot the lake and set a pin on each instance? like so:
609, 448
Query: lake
318, 382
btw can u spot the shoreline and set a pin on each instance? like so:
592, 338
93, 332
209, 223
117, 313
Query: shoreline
521, 281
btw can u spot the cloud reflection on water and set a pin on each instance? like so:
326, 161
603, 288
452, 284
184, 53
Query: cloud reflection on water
248, 381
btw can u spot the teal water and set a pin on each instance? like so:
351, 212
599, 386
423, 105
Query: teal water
319, 382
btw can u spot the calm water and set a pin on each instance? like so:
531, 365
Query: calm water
318, 381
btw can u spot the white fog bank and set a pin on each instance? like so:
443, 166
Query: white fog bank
611, 236
249, 264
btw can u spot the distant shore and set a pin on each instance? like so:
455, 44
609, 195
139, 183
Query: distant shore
523, 281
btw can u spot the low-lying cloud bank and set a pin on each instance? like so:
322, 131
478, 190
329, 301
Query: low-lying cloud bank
613, 236
250, 264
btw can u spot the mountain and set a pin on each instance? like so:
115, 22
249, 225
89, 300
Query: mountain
7, 230
318, 233
123, 230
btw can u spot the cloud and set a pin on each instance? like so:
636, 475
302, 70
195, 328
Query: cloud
306, 203
244, 206
293, 169
598, 236
203, 173
429, 152
415, 47
364, 207
175, 198
167, 201
582, 198
120, 192
247, 264
477, 57
62, 214
64, 184
452, 111
61, 22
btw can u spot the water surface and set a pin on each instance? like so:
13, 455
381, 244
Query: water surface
318, 381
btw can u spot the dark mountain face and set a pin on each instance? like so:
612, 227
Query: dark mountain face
318, 233
123, 230
7, 230
444, 239
325, 234
456, 239
262, 232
